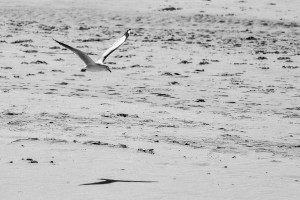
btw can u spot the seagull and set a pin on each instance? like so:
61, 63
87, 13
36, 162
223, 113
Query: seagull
99, 65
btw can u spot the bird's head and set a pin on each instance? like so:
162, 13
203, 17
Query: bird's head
103, 67
128, 32
107, 68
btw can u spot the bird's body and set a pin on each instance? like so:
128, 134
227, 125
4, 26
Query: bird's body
99, 65
95, 67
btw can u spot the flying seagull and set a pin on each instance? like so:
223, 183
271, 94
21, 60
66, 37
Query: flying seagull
99, 65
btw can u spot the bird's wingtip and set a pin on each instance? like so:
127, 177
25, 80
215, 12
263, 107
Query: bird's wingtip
128, 32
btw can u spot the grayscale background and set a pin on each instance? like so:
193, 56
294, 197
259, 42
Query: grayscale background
203, 101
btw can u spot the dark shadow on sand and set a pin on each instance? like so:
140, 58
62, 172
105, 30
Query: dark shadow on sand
109, 181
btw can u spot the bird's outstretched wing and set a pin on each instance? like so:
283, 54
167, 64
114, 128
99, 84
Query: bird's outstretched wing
83, 56
116, 45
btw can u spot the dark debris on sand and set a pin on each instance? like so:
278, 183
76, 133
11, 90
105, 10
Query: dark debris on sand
39, 62
150, 151
20, 41
123, 146
170, 8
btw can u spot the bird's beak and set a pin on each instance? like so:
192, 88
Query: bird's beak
108, 70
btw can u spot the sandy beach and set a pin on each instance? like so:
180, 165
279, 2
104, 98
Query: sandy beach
203, 101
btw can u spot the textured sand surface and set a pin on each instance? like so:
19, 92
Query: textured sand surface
203, 101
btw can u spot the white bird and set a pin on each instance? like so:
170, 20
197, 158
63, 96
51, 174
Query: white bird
99, 65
